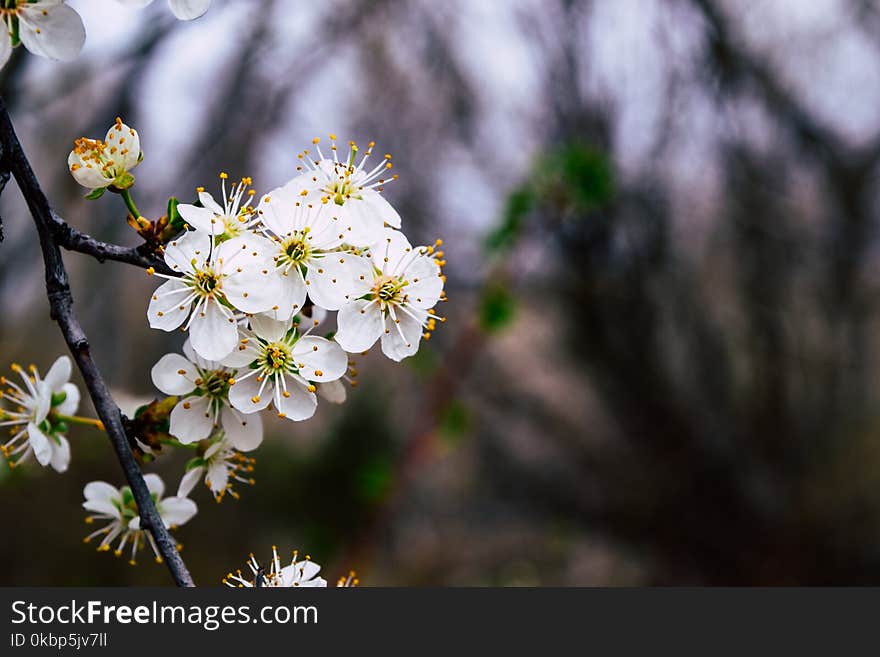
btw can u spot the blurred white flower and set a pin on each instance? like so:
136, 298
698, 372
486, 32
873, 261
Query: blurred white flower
185, 10
238, 274
283, 366
297, 573
394, 294
203, 388
48, 28
310, 250
117, 505
354, 190
37, 422
224, 221
221, 465
99, 164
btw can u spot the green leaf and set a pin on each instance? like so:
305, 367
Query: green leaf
174, 218
518, 205
96, 193
454, 421
497, 307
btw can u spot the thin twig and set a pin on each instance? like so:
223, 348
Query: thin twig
13, 159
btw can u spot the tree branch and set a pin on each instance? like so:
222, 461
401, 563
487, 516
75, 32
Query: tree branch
13, 159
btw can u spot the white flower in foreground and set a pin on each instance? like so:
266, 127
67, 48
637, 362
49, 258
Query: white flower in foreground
48, 28
37, 422
203, 388
333, 391
221, 465
354, 190
310, 253
283, 366
97, 164
238, 274
185, 10
297, 573
224, 221
393, 297
118, 506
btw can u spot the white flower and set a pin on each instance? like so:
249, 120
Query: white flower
284, 366
37, 423
97, 164
118, 506
310, 250
333, 391
354, 190
48, 28
394, 293
203, 388
296, 573
221, 464
238, 274
226, 221
185, 10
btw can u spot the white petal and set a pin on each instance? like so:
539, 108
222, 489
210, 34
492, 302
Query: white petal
293, 295
192, 245
40, 443
5, 48
71, 400
276, 210
191, 420
201, 218
208, 201
269, 329
217, 476
189, 480
243, 354
300, 404
100, 491
60, 455
174, 375
58, 374
360, 325
127, 144
363, 226
166, 310
187, 10
44, 402
51, 30
155, 484
213, 331
136, 4
337, 278
397, 346
389, 250
241, 395
177, 510
243, 431
319, 359
424, 282
380, 207
333, 391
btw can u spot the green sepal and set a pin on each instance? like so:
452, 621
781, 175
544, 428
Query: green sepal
123, 181
96, 193
58, 398
196, 462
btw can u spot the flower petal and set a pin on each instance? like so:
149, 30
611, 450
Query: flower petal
40, 444
269, 329
242, 393
71, 400
333, 391
243, 431
176, 511
51, 30
191, 420
360, 324
201, 218
189, 480
167, 310
213, 331
124, 144
336, 278
58, 374
96, 491
402, 336
5, 49
378, 205
174, 375
424, 282
187, 10
319, 359
192, 245
300, 404
60, 455
155, 484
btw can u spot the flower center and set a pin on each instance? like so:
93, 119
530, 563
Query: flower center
215, 383
276, 357
205, 281
341, 187
295, 251
389, 290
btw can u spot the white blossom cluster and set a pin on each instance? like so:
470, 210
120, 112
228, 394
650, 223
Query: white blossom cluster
52, 29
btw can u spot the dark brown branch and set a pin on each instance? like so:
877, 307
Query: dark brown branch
61, 310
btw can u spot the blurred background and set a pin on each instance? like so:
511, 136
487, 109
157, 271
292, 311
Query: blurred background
660, 221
